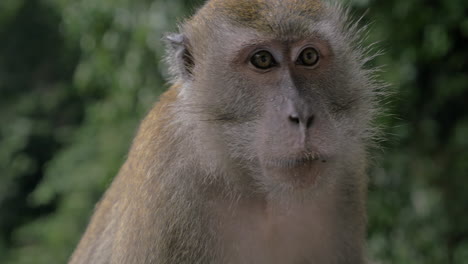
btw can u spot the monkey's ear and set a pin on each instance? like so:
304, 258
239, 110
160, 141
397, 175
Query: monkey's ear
179, 56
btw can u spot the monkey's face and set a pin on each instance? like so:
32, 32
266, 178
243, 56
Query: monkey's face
289, 110
292, 107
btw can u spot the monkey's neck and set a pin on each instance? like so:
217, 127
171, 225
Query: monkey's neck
261, 231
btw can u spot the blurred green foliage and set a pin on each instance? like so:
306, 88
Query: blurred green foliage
77, 76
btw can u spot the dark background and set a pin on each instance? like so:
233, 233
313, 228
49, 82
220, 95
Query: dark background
76, 76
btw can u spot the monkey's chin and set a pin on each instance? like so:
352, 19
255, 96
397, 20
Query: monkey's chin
300, 176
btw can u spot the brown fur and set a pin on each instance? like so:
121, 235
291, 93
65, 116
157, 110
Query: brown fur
259, 14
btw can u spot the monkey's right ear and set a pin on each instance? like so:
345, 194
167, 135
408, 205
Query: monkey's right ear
179, 56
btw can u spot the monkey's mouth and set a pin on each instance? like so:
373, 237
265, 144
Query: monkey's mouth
296, 161
300, 169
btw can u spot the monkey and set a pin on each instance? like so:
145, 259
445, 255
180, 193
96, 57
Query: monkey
257, 153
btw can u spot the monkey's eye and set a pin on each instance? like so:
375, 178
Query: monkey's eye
263, 60
308, 57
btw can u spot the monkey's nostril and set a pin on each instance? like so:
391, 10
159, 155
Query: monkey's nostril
294, 119
310, 121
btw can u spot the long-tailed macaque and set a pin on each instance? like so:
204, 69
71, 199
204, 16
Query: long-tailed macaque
257, 153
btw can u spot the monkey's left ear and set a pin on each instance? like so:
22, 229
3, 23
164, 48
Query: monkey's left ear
179, 57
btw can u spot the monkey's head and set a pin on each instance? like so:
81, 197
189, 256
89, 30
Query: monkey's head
279, 89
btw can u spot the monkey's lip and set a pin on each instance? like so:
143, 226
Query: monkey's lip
296, 161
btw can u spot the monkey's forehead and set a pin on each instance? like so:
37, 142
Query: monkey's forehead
263, 15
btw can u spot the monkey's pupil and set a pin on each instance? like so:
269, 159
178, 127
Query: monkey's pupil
263, 60
309, 57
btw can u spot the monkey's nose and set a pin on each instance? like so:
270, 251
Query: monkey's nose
305, 119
